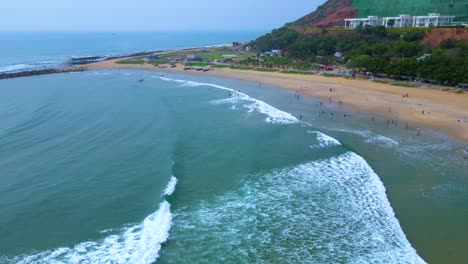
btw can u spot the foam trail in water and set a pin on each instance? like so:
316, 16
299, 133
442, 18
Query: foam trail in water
171, 186
139, 243
273, 114
371, 137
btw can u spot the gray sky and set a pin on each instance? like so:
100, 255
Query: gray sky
150, 14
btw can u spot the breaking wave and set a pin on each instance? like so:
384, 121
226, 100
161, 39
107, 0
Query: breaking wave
273, 114
139, 243
325, 140
326, 211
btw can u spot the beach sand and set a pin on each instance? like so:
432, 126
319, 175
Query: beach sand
442, 109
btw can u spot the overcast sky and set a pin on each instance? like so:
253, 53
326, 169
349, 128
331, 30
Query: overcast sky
151, 14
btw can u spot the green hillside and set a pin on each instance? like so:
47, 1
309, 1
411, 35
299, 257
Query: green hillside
458, 8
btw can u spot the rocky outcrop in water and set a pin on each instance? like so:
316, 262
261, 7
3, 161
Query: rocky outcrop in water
40, 72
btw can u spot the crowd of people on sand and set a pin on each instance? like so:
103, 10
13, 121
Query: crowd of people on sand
389, 122
393, 122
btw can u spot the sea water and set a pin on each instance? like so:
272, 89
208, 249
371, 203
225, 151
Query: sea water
21, 51
98, 167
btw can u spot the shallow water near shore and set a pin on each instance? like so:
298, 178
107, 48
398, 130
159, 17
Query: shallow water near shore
98, 167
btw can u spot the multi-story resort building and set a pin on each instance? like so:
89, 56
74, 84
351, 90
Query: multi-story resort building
431, 20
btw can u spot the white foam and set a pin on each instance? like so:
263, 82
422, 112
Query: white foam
326, 211
273, 114
381, 139
139, 243
171, 186
15, 67
371, 137
325, 140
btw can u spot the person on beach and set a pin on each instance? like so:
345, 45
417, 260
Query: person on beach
300, 117
321, 103
418, 131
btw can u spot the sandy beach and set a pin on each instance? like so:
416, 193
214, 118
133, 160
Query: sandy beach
424, 107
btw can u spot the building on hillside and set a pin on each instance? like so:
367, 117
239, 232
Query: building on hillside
276, 53
369, 21
425, 55
339, 55
432, 20
402, 20
273, 53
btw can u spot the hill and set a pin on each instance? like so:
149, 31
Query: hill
333, 12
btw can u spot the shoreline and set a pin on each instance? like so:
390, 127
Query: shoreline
425, 107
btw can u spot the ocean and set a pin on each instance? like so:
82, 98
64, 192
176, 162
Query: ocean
97, 167
22, 51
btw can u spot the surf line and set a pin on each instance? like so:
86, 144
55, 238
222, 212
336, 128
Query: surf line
139, 243
274, 115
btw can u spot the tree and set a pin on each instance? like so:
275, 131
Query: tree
402, 68
405, 49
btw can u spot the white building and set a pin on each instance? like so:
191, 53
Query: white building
369, 21
403, 20
432, 20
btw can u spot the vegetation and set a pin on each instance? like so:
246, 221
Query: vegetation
197, 64
265, 70
403, 84
158, 62
395, 53
219, 54
131, 61
297, 72
241, 68
219, 66
331, 75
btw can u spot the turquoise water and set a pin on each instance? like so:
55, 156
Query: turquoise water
42, 49
100, 168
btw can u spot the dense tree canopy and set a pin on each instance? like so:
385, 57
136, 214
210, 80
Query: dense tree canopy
375, 49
